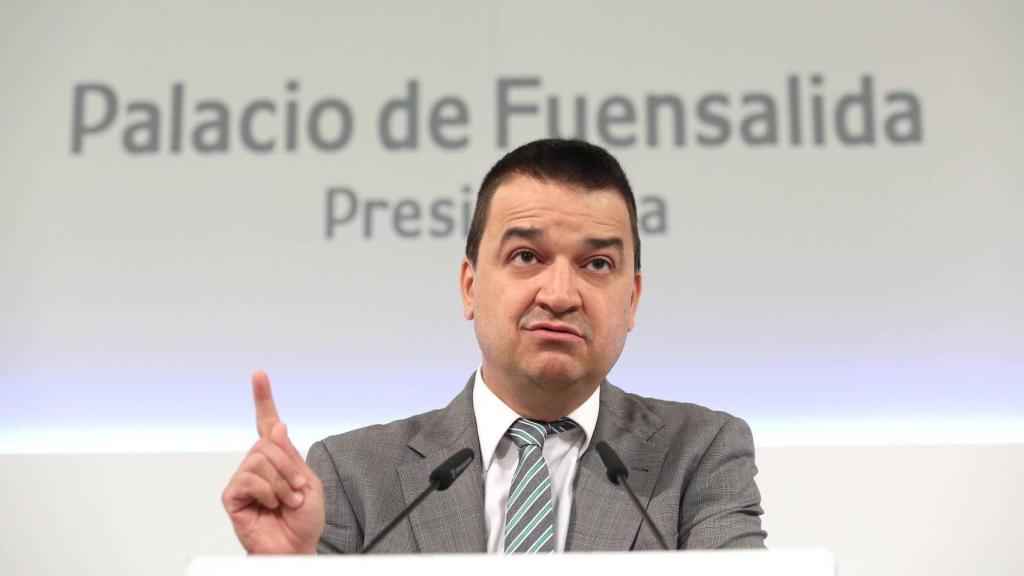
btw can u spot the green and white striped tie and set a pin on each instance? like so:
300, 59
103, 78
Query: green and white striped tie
529, 514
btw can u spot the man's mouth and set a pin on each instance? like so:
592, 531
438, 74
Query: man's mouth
555, 331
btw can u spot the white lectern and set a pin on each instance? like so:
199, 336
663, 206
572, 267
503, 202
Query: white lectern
811, 562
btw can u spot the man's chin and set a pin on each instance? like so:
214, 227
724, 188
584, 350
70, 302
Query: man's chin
555, 371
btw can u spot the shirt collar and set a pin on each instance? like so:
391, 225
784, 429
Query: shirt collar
493, 418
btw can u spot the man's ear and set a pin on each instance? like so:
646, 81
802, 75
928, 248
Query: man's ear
466, 277
638, 287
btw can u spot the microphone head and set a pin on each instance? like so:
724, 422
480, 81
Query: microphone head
612, 463
444, 475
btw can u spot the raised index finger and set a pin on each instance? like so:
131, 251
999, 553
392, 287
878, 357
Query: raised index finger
266, 411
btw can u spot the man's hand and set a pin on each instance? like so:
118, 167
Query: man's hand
275, 501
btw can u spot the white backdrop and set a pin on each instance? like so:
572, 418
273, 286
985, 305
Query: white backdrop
831, 199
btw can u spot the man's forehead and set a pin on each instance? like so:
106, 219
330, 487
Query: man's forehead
538, 234
523, 199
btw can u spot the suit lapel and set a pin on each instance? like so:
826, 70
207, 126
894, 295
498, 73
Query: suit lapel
453, 520
603, 517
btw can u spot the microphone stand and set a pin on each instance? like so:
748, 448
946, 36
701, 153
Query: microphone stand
617, 474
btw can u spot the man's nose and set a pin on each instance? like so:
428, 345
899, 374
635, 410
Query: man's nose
559, 292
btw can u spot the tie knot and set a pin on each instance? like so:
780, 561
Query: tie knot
526, 432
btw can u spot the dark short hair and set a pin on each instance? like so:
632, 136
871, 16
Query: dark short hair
571, 162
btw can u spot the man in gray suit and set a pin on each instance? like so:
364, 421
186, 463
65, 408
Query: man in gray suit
551, 281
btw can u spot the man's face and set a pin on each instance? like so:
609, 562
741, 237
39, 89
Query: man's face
553, 292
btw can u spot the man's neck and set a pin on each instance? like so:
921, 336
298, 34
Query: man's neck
538, 401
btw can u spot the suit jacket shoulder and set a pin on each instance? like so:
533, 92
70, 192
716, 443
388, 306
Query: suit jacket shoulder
370, 474
693, 467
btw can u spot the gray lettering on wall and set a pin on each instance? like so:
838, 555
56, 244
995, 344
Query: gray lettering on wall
817, 111
506, 108
441, 215
79, 125
417, 217
805, 108
211, 135
402, 111
579, 128
678, 119
861, 104
334, 217
904, 127
652, 215
715, 121
406, 214
617, 110
345, 125
142, 135
291, 117
208, 125
449, 112
398, 125
246, 126
759, 126
795, 116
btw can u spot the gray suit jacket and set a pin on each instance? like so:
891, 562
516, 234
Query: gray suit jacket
693, 468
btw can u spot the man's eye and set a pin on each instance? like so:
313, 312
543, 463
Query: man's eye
600, 264
524, 257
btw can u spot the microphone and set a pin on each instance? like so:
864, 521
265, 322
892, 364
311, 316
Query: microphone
444, 475
440, 479
617, 474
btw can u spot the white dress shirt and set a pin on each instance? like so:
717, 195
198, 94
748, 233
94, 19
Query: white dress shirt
499, 457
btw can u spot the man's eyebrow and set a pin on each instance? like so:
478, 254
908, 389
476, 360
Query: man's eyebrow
601, 243
520, 232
